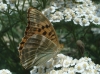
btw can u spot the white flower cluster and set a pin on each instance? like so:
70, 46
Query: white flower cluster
82, 12
5, 71
67, 65
20, 3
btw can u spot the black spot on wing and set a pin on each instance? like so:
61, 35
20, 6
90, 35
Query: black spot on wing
47, 26
25, 33
39, 30
50, 33
27, 28
22, 42
43, 27
44, 33
20, 48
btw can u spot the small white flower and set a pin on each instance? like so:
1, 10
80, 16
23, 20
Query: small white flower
58, 13
91, 65
64, 69
90, 71
65, 12
97, 67
85, 22
82, 66
93, 71
77, 20
87, 72
90, 17
85, 4
68, 17
71, 70
61, 72
26, 5
5, 71
3, 7
34, 3
96, 20
92, 8
73, 15
80, 12
84, 59
61, 56
87, 59
52, 9
89, 2
56, 17
79, 68
87, 11
20, 5
57, 60
67, 62
46, 12
74, 62
53, 72
85, 65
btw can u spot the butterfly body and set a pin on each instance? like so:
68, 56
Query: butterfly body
40, 42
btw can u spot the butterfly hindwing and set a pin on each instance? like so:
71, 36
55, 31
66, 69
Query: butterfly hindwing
37, 50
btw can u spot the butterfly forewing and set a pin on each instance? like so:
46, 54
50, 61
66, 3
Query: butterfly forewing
40, 41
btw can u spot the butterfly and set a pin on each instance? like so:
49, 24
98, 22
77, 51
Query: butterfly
40, 42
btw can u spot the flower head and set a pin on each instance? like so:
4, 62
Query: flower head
5, 71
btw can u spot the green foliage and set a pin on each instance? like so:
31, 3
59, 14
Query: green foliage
13, 25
